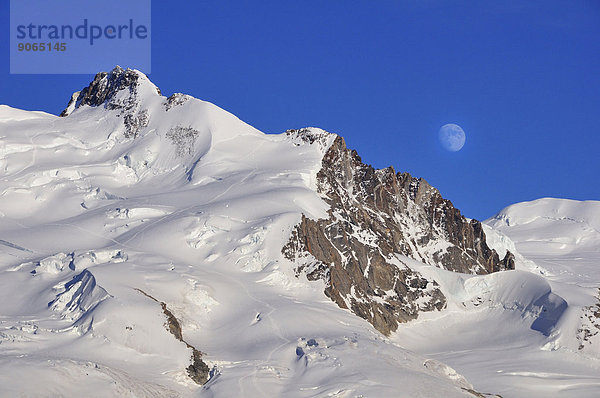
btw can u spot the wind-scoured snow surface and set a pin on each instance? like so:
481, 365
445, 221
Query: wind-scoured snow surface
533, 332
181, 201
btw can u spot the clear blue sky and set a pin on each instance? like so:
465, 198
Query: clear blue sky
521, 78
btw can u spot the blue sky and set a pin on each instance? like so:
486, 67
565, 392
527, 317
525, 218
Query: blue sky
521, 78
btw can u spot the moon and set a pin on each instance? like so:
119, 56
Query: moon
452, 137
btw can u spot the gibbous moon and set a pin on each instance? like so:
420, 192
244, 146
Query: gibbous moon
452, 137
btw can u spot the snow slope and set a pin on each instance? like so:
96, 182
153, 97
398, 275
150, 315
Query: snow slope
521, 333
178, 200
562, 237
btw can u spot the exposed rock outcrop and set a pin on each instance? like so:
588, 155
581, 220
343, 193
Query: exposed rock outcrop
198, 369
176, 99
104, 87
375, 218
589, 329
103, 90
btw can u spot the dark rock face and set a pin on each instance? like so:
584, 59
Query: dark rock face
102, 92
374, 216
104, 86
359, 276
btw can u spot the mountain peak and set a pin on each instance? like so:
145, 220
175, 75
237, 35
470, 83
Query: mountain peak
106, 85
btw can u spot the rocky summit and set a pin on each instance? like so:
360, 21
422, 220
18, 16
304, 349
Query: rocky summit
375, 217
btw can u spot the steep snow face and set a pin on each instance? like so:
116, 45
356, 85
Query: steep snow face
131, 200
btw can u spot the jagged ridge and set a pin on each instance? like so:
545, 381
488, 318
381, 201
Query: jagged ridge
374, 216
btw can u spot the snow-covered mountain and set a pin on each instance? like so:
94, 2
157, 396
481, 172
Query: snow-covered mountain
154, 246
